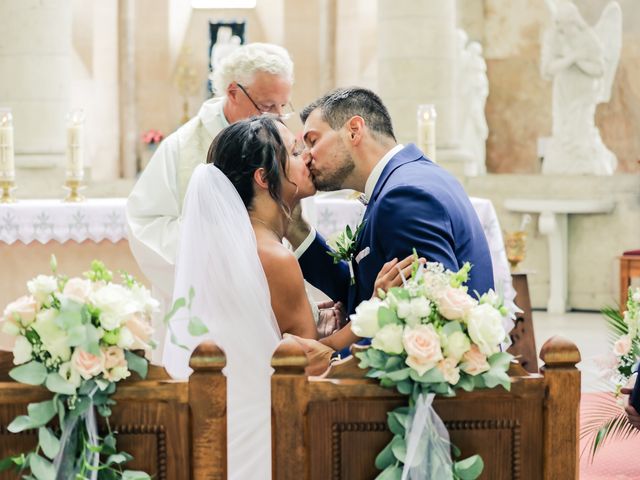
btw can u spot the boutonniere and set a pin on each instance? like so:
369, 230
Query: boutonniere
345, 248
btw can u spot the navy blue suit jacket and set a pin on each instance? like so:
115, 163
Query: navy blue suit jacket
415, 204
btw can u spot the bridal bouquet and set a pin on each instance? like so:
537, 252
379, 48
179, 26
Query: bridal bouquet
76, 337
430, 337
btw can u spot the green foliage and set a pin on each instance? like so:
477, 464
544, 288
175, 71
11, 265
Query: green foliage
345, 244
137, 363
32, 373
98, 272
469, 468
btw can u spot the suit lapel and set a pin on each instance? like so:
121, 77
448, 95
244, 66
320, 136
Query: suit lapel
410, 153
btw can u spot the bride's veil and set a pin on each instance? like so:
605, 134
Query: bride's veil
217, 256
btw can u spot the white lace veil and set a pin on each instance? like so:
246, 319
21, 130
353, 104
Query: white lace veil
217, 256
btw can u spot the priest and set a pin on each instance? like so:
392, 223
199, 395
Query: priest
252, 80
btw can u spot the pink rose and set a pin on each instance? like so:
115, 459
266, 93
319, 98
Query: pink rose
422, 345
87, 364
450, 370
141, 330
25, 307
474, 361
113, 357
77, 289
454, 303
622, 346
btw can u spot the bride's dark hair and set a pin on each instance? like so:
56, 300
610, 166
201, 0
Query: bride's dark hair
245, 146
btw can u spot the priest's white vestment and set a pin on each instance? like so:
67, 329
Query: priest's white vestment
155, 204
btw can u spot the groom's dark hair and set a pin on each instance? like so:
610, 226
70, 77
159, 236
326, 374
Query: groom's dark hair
339, 105
244, 147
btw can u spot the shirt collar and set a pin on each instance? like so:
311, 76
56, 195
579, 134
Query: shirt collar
211, 114
374, 176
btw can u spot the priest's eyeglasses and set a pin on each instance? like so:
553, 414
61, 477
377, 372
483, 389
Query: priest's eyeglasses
285, 113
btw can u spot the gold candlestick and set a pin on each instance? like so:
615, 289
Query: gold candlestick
73, 186
515, 244
7, 186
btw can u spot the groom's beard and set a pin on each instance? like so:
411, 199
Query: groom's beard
329, 181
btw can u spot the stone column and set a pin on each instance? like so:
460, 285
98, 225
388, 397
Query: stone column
35, 61
417, 63
127, 84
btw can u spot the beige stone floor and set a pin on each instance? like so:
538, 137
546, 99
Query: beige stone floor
588, 330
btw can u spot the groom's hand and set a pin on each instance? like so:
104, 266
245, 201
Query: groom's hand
392, 273
318, 355
299, 228
332, 317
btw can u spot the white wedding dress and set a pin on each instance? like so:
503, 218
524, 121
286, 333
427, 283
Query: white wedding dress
217, 256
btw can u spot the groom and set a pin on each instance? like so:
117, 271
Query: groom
412, 202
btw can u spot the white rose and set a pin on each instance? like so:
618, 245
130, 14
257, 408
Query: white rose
455, 345
53, 338
449, 369
622, 345
636, 296
404, 308
420, 307
42, 286
126, 338
116, 374
422, 344
25, 308
455, 304
389, 339
70, 374
115, 305
21, 351
364, 322
485, 328
145, 302
77, 289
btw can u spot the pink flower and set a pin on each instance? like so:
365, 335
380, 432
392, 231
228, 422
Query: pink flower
151, 137
454, 303
113, 357
622, 346
474, 361
422, 344
450, 370
24, 307
87, 364
141, 330
77, 289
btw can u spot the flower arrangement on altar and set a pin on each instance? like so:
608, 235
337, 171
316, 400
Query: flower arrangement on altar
606, 419
431, 337
76, 337
152, 137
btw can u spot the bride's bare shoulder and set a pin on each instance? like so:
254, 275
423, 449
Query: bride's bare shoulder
275, 256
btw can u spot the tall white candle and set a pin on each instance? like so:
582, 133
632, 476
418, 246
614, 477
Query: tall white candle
75, 163
7, 163
427, 130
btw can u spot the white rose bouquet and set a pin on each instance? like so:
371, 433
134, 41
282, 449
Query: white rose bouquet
76, 336
431, 337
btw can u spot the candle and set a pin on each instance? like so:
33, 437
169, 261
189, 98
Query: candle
427, 130
75, 166
7, 164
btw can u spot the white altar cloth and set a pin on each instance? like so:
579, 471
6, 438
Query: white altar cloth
53, 220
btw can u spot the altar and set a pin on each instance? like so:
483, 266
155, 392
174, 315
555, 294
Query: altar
76, 233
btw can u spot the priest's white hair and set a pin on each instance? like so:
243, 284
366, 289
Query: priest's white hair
242, 64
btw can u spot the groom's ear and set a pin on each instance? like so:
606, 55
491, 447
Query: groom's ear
260, 177
355, 129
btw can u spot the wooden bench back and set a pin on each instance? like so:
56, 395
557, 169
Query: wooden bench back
333, 427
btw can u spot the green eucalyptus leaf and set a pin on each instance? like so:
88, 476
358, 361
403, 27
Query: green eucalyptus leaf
117, 458
135, 475
397, 423
137, 363
377, 358
49, 443
42, 469
32, 373
21, 423
466, 382
196, 327
92, 340
451, 327
399, 448
399, 375
177, 305
42, 412
400, 293
392, 472
385, 458
469, 468
57, 384
394, 362
431, 376
405, 386
70, 314
387, 316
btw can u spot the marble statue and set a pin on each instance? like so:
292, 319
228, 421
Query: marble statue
226, 42
473, 92
582, 61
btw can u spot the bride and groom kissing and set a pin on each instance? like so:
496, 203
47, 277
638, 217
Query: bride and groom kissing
249, 288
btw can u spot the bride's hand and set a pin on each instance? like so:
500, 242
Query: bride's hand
389, 275
332, 318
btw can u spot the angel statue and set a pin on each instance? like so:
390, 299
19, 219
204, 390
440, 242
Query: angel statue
582, 61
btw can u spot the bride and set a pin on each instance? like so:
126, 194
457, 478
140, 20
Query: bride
249, 288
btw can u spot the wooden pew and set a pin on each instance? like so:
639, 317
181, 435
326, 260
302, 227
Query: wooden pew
333, 427
175, 430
